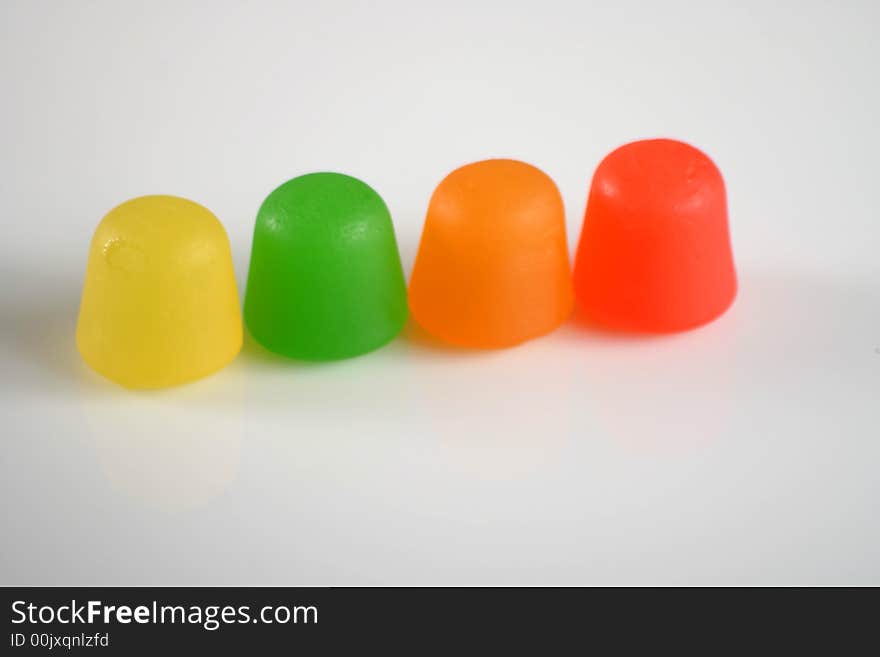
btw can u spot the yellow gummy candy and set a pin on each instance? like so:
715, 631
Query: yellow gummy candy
159, 305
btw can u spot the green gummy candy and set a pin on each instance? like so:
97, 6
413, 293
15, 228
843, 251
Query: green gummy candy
325, 278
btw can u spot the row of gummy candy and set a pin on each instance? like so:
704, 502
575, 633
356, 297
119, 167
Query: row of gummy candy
160, 306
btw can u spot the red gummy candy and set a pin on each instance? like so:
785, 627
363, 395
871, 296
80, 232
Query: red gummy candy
654, 253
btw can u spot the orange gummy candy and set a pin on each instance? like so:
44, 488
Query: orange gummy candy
492, 268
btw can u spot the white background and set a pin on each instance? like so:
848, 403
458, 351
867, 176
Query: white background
745, 452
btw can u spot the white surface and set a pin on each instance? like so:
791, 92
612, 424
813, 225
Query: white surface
745, 452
